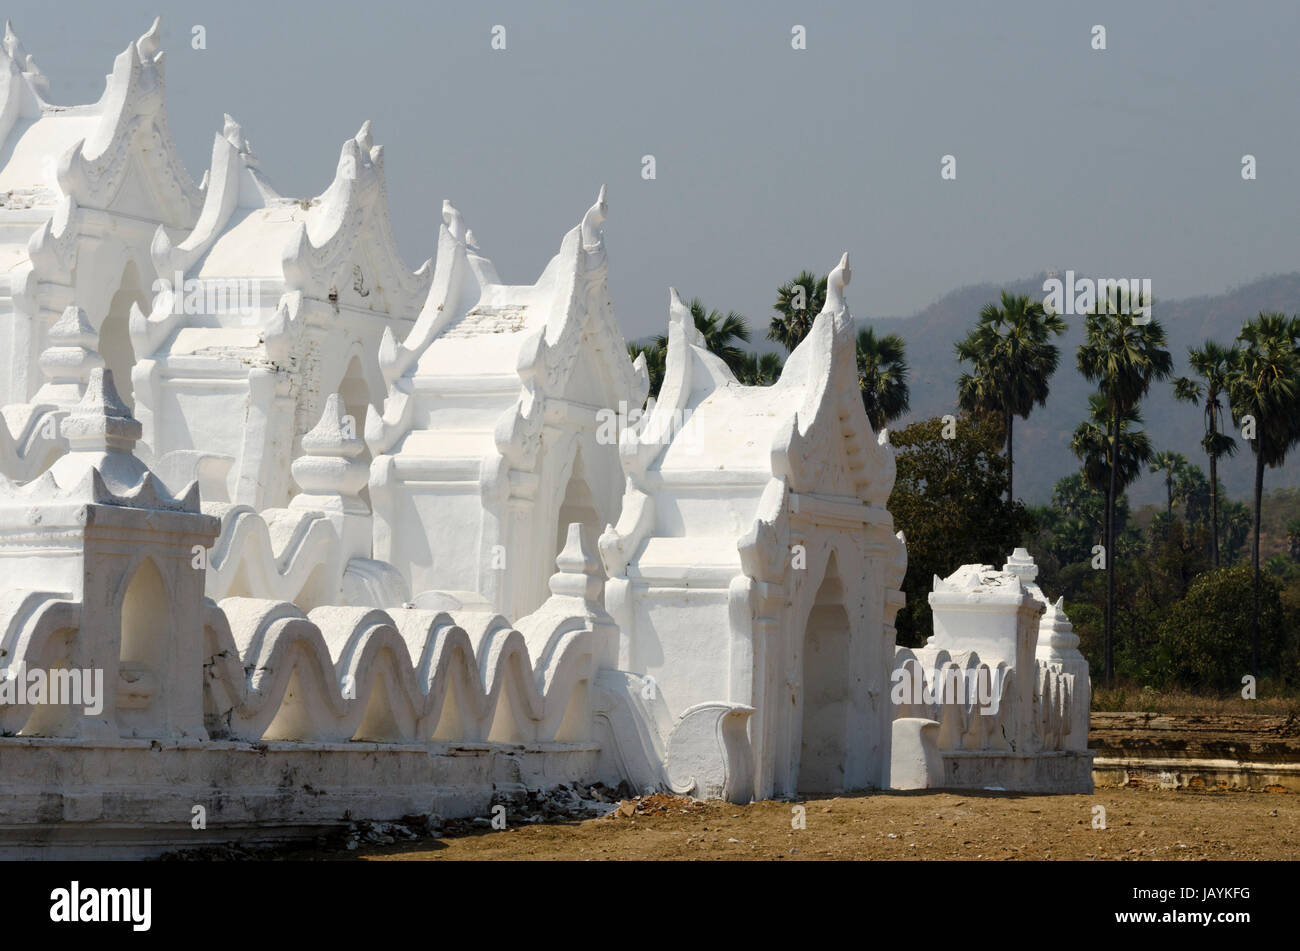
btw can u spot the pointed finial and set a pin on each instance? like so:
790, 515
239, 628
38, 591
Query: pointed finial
147, 45
363, 138
232, 132
592, 220
1021, 564
676, 309
842, 274
680, 314
1055, 632
335, 434
101, 421
69, 358
13, 48
330, 470
836, 281
453, 220
580, 573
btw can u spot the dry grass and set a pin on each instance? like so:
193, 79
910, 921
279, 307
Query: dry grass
1136, 699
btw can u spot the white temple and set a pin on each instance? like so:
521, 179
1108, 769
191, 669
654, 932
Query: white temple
342, 538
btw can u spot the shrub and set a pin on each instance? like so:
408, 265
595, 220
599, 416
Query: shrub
1205, 639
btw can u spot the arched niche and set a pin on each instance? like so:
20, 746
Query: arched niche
146, 619
577, 505
826, 694
114, 336
355, 393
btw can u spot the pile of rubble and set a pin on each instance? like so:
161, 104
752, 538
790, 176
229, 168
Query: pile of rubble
511, 805
656, 804
558, 804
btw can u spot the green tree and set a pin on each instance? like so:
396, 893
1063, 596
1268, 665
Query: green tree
798, 303
1293, 538
720, 332
655, 354
882, 376
1192, 492
1213, 364
949, 499
1012, 359
1235, 518
1172, 465
1075, 519
1092, 444
1123, 356
1264, 385
1200, 639
759, 369
1282, 567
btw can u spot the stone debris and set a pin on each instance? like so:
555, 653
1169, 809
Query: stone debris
565, 802
656, 804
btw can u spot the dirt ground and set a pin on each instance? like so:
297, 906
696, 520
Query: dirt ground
1140, 824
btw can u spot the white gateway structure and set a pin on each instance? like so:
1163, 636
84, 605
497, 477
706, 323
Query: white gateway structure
273, 504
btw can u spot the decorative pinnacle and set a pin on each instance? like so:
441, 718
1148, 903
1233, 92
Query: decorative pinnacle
101, 422
453, 220
680, 314
147, 45
330, 463
1021, 564
336, 432
364, 139
69, 358
580, 573
233, 133
592, 220
26, 63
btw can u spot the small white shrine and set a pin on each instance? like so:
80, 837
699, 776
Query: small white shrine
755, 562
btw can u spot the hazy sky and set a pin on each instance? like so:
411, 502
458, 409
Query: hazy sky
1123, 162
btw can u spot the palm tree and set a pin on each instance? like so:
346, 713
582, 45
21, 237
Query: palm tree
1213, 364
1012, 359
656, 354
1172, 465
1091, 443
882, 377
1123, 357
760, 369
720, 332
798, 303
1192, 492
1265, 386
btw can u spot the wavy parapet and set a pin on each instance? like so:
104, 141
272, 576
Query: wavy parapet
270, 554
30, 440
403, 675
271, 671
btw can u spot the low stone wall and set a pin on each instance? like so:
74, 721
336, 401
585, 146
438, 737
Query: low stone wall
1194, 774
137, 798
1048, 771
1198, 751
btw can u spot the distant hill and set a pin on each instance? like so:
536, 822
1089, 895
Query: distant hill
1043, 442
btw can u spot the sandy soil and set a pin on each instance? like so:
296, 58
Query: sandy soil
1140, 824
